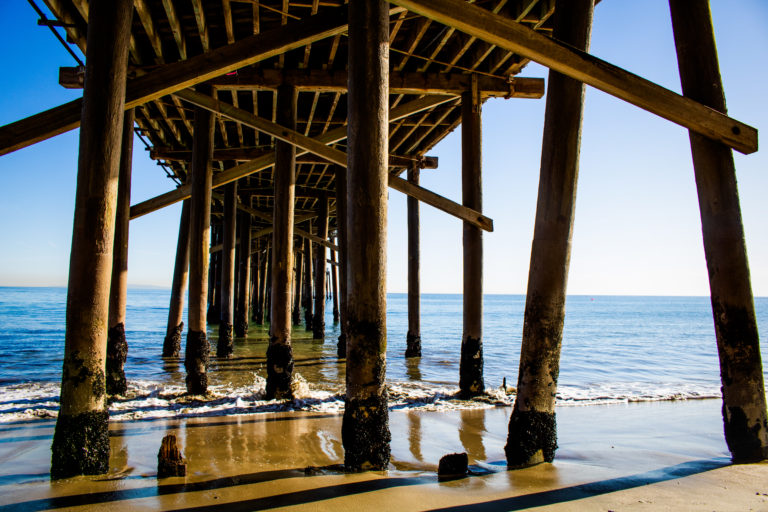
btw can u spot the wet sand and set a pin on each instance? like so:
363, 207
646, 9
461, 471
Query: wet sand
643, 456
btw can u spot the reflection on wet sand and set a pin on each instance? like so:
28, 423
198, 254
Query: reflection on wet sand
414, 435
471, 431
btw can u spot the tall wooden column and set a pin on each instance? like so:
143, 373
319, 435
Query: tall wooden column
413, 339
198, 349
471, 366
263, 282
532, 429
254, 284
214, 275
227, 315
244, 276
335, 286
318, 321
279, 353
172, 342
81, 439
365, 428
117, 346
738, 345
341, 221
307, 293
297, 282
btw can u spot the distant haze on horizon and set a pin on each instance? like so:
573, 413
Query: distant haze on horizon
637, 228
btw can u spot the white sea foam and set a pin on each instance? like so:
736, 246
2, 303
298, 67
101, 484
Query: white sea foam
151, 399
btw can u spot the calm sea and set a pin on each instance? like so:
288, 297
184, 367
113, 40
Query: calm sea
615, 349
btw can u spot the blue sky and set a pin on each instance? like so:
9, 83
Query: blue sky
637, 228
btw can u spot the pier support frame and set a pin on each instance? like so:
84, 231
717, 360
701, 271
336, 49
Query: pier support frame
117, 345
532, 428
198, 349
81, 438
318, 319
172, 342
365, 427
335, 286
280, 353
263, 283
738, 345
224, 347
471, 365
341, 221
244, 277
413, 338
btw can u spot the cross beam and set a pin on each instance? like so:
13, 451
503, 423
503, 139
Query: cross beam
505, 33
180, 75
268, 160
332, 154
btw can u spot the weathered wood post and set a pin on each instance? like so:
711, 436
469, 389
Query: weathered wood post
738, 345
341, 222
413, 338
268, 288
365, 428
244, 276
214, 274
81, 438
318, 321
307, 293
172, 342
263, 283
198, 349
335, 287
532, 428
254, 284
227, 315
298, 282
279, 353
117, 346
471, 366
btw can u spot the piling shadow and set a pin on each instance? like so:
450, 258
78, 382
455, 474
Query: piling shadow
578, 492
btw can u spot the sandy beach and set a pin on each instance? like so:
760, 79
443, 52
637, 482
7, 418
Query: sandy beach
644, 456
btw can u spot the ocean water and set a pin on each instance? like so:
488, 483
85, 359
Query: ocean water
615, 349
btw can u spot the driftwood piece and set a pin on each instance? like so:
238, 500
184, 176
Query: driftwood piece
169, 459
453, 465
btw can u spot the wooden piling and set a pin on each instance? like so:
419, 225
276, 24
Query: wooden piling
172, 342
117, 346
279, 353
81, 437
214, 275
365, 428
263, 283
532, 428
244, 276
413, 338
227, 315
307, 293
738, 345
297, 282
334, 287
341, 222
198, 349
471, 365
318, 320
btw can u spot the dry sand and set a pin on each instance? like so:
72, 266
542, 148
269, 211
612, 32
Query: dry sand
647, 456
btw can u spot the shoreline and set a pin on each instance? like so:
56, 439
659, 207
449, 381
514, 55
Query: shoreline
646, 455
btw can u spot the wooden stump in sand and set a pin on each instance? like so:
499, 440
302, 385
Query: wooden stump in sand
170, 462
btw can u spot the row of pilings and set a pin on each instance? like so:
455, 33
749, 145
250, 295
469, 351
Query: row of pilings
81, 440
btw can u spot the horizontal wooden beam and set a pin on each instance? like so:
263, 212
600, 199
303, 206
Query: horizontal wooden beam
247, 154
399, 82
331, 154
180, 75
266, 161
509, 35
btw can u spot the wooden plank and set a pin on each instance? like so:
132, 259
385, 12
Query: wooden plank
180, 75
399, 83
514, 37
266, 161
333, 155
